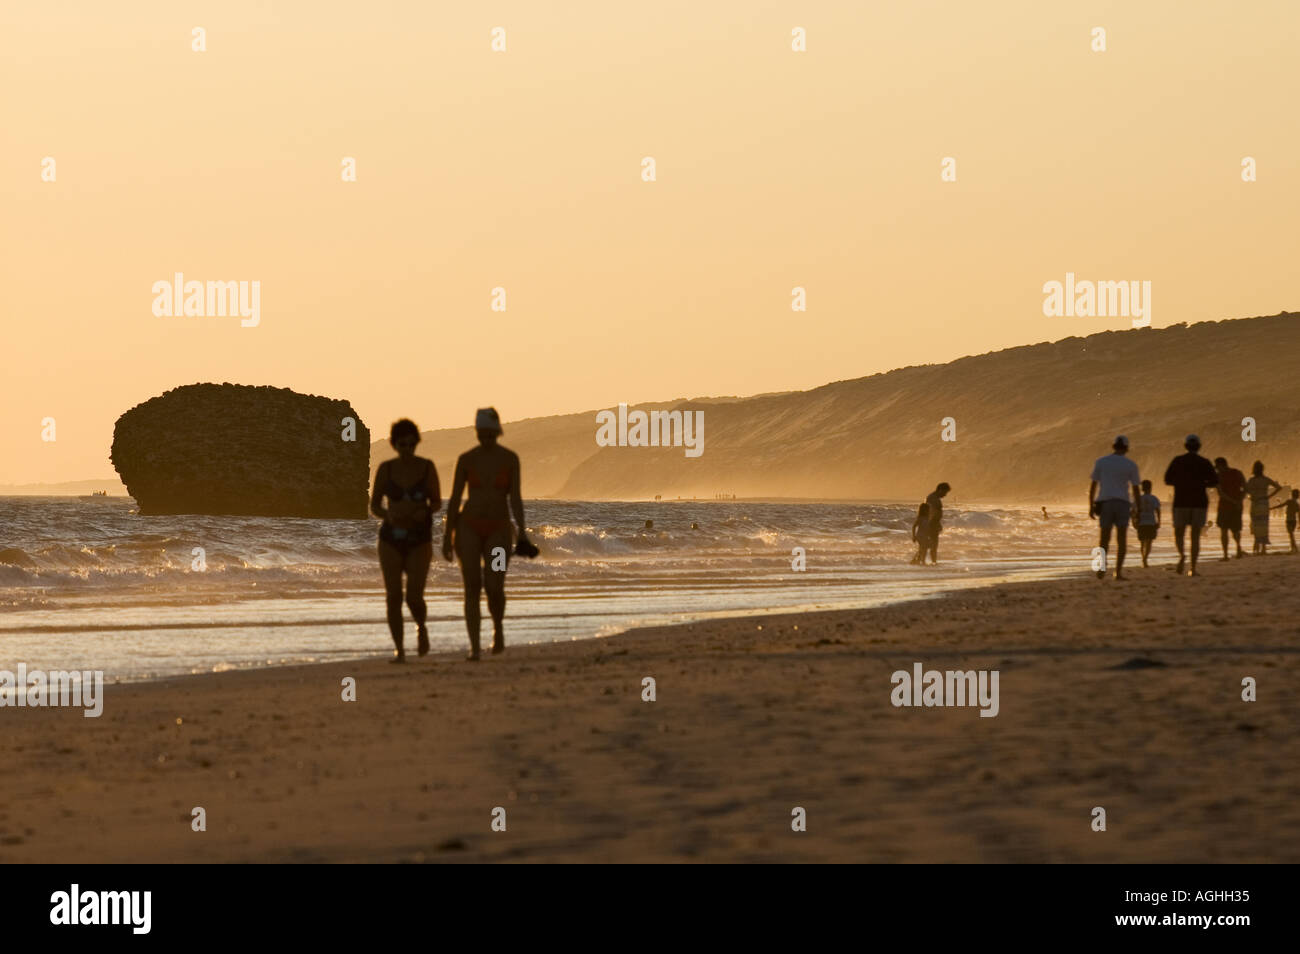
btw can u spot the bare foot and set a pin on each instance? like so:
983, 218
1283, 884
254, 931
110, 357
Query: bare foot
422, 643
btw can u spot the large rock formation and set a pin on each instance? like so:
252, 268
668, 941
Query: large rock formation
236, 449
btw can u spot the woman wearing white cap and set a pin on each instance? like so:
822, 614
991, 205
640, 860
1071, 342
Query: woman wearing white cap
480, 534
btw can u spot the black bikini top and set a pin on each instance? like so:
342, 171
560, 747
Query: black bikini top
396, 491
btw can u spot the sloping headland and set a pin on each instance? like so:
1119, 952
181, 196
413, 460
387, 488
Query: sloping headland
1028, 422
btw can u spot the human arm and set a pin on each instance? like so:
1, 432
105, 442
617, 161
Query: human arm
516, 495
377, 494
453, 509
432, 489
1092, 492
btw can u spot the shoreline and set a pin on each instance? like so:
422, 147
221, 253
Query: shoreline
1121, 695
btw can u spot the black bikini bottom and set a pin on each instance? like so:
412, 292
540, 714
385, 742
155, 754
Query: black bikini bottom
405, 540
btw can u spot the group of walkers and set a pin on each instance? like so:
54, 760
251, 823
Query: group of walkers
1115, 477
405, 497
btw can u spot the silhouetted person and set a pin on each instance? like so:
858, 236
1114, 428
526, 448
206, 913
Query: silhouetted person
1190, 474
1045, 516
1292, 511
921, 532
1258, 490
1232, 492
1114, 478
1148, 520
410, 486
480, 533
935, 502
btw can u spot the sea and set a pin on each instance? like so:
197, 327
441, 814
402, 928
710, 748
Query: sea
91, 584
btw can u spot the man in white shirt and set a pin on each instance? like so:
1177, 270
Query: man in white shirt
1114, 478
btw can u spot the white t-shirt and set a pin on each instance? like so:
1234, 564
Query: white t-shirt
1114, 474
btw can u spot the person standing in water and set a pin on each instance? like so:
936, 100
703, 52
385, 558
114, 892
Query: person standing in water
1190, 474
1232, 491
1114, 478
921, 532
1258, 489
1292, 511
1148, 520
410, 486
935, 503
480, 534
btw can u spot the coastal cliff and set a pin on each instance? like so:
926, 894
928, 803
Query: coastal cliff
1027, 423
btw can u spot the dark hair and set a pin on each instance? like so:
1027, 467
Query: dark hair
923, 509
403, 428
1221, 460
1146, 486
1257, 468
943, 487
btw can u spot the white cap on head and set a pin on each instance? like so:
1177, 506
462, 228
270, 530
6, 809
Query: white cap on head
486, 419
1121, 441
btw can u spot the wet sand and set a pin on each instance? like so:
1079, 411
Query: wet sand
1120, 695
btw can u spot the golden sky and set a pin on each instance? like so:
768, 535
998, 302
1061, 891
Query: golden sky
522, 169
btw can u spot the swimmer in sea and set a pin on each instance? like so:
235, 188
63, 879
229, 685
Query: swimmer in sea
480, 533
410, 485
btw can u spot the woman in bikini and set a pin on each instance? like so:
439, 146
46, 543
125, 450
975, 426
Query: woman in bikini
480, 533
410, 485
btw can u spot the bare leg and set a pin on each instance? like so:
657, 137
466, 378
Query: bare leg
417, 572
390, 564
1196, 547
469, 549
495, 583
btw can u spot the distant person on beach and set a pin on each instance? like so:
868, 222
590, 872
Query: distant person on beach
1148, 520
1232, 492
1292, 511
1114, 479
1045, 516
1258, 489
480, 534
409, 484
921, 532
1190, 474
935, 503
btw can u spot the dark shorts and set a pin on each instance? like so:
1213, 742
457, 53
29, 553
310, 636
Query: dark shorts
1113, 513
1147, 531
1189, 517
1229, 518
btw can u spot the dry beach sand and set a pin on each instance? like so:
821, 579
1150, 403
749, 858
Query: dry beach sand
749, 722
